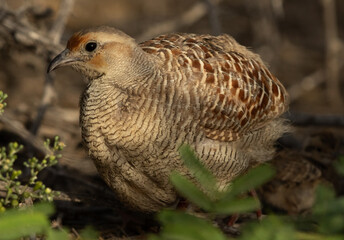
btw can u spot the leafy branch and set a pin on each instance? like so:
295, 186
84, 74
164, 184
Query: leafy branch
16, 191
208, 196
3, 96
326, 222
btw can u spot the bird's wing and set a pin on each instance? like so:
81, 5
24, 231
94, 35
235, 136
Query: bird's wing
234, 91
288, 165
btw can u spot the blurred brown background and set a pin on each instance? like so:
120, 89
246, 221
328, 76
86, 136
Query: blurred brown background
301, 41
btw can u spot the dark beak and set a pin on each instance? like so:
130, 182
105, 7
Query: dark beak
63, 59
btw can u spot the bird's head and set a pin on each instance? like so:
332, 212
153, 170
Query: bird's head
97, 52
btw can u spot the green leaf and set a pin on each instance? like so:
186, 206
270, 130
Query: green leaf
153, 237
328, 211
252, 179
89, 233
187, 189
19, 223
16, 223
339, 165
270, 228
201, 173
45, 208
181, 226
324, 194
57, 235
316, 236
236, 205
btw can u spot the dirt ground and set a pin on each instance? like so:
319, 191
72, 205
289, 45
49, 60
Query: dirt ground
301, 41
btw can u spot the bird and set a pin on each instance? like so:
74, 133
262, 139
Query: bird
293, 187
144, 100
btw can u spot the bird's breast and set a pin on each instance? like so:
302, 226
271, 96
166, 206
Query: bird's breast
139, 127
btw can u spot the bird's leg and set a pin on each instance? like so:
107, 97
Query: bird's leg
235, 216
253, 193
182, 204
233, 219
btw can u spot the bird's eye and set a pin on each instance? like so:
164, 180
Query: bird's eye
89, 47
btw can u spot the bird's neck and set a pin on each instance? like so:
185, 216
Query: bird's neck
139, 77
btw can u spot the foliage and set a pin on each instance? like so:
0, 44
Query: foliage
27, 221
328, 212
16, 223
3, 96
326, 221
179, 225
271, 228
16, 192
208, 197
182, 226
34, 220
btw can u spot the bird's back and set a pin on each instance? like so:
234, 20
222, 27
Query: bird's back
229, 84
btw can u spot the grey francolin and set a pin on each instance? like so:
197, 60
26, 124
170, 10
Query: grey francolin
293, 187
143, 101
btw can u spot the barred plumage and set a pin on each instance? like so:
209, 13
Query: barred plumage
243, 93
144, 100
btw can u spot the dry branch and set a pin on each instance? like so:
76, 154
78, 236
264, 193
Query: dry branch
49, 92
19, 129
306, 84
13, 27
25, 35
57, 29
267, 37
304, 119
189, 17
333, 47
214, 16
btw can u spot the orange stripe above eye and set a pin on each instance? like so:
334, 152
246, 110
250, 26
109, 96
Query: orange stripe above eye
76, 41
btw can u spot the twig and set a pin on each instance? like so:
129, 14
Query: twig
214, 16
48, 44
333, 46
49, 93
307, 84
189, 17
304, 119
57, 29
26, 35
18, 128
277, 6
265, 30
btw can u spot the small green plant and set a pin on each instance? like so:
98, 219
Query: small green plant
208, 197
34, 221
3, 96
29, 221
326, 222
17, 192
328, 210
182, 226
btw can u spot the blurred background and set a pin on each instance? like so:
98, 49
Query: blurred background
300, 41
